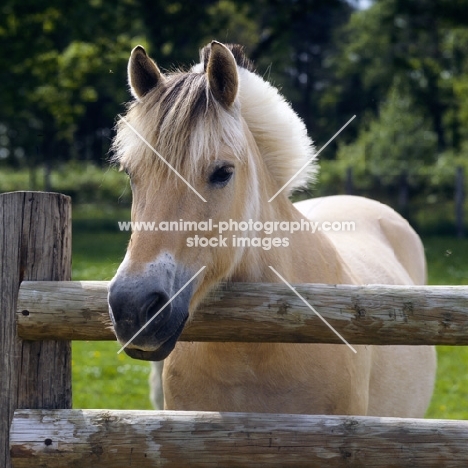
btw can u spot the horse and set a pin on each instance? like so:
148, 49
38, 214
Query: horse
216, 142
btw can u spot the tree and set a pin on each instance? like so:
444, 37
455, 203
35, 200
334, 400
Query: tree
58, 62
64, 63
411, 41
296, 45
399, 141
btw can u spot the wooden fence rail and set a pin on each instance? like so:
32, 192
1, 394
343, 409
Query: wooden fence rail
145, 439
373, 314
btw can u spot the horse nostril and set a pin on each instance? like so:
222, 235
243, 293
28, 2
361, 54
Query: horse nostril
156, 305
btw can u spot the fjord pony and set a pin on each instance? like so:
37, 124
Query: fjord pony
236, 141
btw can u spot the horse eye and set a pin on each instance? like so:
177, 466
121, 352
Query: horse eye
221, 176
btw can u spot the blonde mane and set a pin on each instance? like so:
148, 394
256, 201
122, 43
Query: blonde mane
279, 132
183, 122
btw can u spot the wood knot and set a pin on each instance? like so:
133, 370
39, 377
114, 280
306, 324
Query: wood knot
447, 319
407, 310
345, 453
97, 450
351, 425
360, 311
283, 307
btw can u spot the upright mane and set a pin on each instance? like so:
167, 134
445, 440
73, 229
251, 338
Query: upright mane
185, 116
280, 133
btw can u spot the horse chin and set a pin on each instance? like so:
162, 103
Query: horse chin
160, 352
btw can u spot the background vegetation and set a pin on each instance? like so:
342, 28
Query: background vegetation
401, 66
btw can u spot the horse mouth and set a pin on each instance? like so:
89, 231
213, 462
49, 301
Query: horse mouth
161, 352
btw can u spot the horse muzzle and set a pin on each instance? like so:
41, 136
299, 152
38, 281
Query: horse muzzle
147, 318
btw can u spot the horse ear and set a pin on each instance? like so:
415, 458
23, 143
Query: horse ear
143, 73
222, 74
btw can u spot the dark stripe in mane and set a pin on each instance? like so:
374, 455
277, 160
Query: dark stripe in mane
187, 89
184, 122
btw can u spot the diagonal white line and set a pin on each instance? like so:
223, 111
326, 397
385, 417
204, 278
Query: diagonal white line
159, 155
314, 156
313, 310
159, 311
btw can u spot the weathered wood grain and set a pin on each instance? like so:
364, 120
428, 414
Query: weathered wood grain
75, 310
372, 314
35, 244
123, 439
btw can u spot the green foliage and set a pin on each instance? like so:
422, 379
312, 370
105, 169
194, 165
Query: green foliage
64, 68
58, 73
393, 42
85, 182
399, 140
401, 67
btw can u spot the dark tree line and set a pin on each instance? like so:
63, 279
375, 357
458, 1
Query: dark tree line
400, 66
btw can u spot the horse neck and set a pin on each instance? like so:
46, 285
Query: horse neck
309, 258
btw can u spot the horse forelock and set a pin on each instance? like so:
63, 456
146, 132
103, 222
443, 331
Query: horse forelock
183, 122
279, 132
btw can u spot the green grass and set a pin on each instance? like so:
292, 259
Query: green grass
450, 400
447, 259
448, 264
103, 379
97, 254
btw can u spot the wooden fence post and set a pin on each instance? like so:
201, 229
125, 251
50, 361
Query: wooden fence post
35, 244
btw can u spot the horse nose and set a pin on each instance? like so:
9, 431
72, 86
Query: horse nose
134, 308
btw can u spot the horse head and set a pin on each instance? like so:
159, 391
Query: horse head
195, 149
184, 147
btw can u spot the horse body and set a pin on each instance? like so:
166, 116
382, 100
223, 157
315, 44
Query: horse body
244, 143
318, 379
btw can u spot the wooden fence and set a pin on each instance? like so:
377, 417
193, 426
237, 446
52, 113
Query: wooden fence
39, 319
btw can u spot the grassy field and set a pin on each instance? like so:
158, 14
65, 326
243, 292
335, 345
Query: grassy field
448, 264
103, 379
